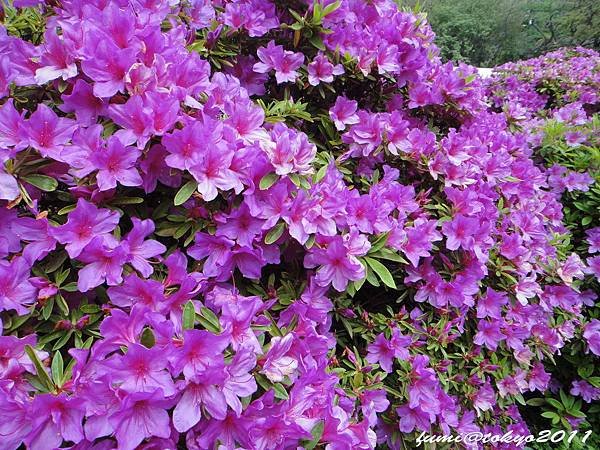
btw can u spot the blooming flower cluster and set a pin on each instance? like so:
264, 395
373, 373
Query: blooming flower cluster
240, 224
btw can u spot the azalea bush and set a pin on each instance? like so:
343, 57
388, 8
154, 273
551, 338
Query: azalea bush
552, 100
263, 225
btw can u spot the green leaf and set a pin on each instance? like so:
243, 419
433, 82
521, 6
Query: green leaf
382, 272
39, 368
320, 174
189, 316
275, 233
536, 402
317, 42
57, 368
185, 192
317, 433
280, 391
556, 404
331, 8
62, 341
147, 339
43, 182
379, 243
209, 320
267, 181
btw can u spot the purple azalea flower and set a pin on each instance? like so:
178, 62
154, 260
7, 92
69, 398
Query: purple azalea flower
200, 350
585, 390
278, 363
284, 62
591, 334
107, 65
336, 265
84, 223
141, 415
139, 250
47, 132
320, 69
16, 290
141, 369
56, 62
201, 392
105, 259
239, 382
489, 334
83, 103
116, 163
12, 130
57, 417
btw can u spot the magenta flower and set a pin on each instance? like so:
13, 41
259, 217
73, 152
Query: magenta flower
141, 415
284, 62
83, 103
485, 399
84, 223
139, 250
186, 146
37, 233
320, 69
239, 382
107, 65
593, 239
57, 417
116, 163
585, 390
240, 226
343, 113
213, 172
47, 132
12, 130
141, 369
201, 392
136, 120
200, 350
16, 291
591, 334
105, 259
384, 351
278, 363
413, 418
489, 334
460, 232
56, 62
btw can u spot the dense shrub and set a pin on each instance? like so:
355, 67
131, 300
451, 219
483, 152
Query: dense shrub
259, 224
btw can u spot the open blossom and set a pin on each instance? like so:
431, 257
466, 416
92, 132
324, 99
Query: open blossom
321, 70
337, 267
592, 335
384, 351
104, 259
284, 62
140, 250
116, 163
56, 61
343, 113
278, 363
141, 369
84, 223
201, 392
16, 290
140, 416
489, 334
57, 417
47, 132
